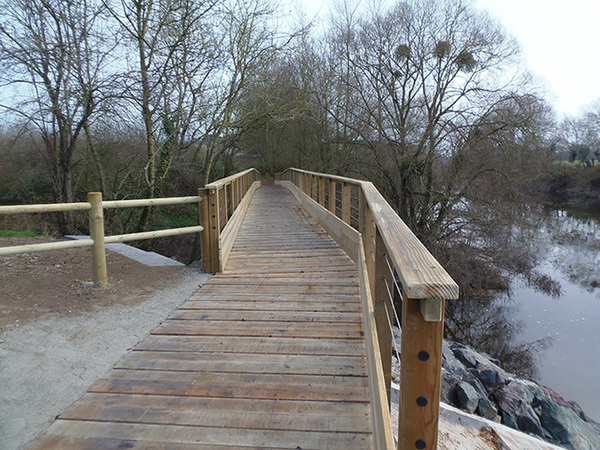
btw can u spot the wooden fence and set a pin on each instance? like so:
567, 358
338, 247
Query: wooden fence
392, 262
226, 194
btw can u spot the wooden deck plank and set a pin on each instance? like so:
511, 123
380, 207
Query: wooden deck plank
268, 354
244, 363
232, 386
265, 315
218, 412
281, 346
266, 304
208, 435
260, 329
297, 289
323, 409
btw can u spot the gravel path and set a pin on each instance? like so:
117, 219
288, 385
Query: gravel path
50, 362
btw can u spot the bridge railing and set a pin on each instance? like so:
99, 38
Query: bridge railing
221, 215
393, 263
226, 194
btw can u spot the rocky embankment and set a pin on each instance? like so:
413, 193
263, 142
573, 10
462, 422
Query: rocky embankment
477, 384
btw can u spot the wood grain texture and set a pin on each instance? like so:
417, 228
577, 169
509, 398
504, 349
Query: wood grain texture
419, 378
268, 354
378, 389
421, 275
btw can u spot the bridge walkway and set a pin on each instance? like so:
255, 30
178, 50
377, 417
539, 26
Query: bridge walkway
269, 353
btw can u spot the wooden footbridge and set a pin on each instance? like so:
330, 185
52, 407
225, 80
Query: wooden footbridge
290, 344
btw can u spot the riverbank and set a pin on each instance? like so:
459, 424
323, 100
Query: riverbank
577, 187
477, 384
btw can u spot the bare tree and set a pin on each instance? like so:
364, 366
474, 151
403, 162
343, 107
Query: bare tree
250, 40
53, 68
423, 74
165, 37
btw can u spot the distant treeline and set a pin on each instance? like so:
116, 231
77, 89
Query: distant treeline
426, 98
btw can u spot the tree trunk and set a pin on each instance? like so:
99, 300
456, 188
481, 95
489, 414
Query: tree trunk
95, 157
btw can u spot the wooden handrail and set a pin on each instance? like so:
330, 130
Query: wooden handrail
47, 246
421, 274
135, 203
391, 255
324, 175
219, 183
45, 208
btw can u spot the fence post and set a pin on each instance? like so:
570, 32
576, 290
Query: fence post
420, 378
97, 234
384, 312
322, 191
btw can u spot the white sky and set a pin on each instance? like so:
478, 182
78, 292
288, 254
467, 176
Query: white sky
560, 40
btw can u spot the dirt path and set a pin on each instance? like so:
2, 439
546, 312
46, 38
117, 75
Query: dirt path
58, 334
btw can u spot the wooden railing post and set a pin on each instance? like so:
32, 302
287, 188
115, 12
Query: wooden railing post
97, 235
362, 207
420, 378
332, 195
346, 202
322, 191
384, 312
314, 193
376, 268
205, 235
214, 229
233, 196
226, 202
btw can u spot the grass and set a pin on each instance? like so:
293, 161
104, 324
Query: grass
26, 233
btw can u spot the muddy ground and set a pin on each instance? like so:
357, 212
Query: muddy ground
58, 334
58, 282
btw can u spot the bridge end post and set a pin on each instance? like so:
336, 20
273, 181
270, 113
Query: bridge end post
207, 220
420, 378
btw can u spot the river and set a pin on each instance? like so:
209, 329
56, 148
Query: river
569, 252
547, 325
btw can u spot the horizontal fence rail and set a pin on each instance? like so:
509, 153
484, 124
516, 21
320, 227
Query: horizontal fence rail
31, 248
237, 186
397, 269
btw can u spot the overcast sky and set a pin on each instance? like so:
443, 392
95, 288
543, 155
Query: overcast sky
560, 40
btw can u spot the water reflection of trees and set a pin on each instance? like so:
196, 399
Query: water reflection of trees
573, 244
484, 317
489, 326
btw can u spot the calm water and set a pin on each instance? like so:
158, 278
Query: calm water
569, 252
